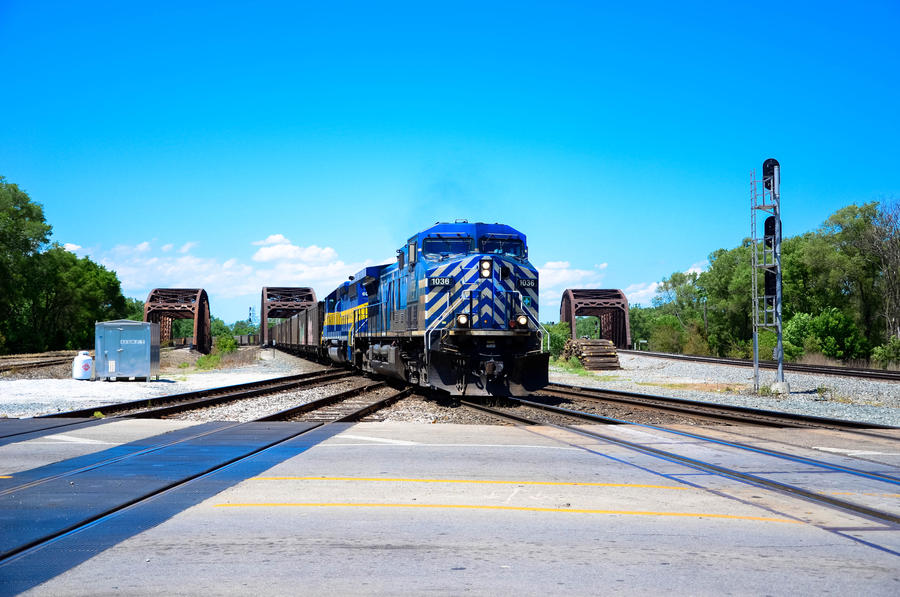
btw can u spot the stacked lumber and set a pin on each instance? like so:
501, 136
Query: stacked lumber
595, 355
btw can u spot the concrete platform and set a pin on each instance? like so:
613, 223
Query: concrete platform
380, 508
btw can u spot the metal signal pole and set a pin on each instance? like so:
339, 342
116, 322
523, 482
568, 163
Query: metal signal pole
766, 256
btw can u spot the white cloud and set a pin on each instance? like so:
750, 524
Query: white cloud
126, 251
273, 239
289, 252
71, 247
560, 274
556, 265
698, 267
556, 276
187, 246
232, 281
641, 293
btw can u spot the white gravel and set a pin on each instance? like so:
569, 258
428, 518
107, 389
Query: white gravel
29, 397
819, 395
825, 396
250, 409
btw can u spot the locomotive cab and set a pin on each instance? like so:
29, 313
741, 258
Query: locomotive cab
478, 310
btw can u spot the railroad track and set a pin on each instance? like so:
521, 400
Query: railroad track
879, 374
15, 362
161, 406
525, 412
200, 452
173, 404
719, 413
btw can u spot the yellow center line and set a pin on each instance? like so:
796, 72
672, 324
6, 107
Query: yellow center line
473, 481
508, 508
890, 495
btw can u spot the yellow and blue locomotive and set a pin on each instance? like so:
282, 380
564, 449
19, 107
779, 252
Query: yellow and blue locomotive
457, 311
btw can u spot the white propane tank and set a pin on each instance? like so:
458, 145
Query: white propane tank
82, 366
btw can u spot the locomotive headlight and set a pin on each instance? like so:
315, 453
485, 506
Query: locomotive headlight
522, 321
485, 268
462, 320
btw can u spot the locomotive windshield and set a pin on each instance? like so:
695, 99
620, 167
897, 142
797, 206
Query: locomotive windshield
444, 248
503, 246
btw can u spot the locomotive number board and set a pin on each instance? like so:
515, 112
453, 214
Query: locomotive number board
440, 281
527, 283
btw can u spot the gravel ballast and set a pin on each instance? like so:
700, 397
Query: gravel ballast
28, 397
825, 396
831, 396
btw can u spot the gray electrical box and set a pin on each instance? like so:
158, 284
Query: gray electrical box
124, 349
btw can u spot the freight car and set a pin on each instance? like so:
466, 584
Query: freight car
457, 310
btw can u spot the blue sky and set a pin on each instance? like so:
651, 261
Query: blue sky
238, 145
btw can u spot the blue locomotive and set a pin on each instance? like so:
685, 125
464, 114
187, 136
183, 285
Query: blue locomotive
457, 310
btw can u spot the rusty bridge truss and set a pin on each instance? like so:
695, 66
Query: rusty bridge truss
281, 302
165, 305
608, 305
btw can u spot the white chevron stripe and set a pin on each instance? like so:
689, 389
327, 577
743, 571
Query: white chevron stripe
439, 270
455, 292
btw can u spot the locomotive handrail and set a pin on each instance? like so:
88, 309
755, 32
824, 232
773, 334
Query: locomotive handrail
431, 329
541, 330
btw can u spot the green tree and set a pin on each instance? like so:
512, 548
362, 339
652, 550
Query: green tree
23, 232
680, 296
798, 329
641, 320
134, 309
183, 328
588, 327
244, 327
559, 333
887, 354
667, 335
844, 265
218, 328
835, 268
64, 298
837, 334
884, 244
726, 286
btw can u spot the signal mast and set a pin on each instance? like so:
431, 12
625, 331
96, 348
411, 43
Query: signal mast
765, 196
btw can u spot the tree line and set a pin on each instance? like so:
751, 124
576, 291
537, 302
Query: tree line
51, 298
841, 295
184, 328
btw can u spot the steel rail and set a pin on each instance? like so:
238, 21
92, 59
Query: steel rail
198, 403
374, 406
320, 403
279, 416
108, 461
353, 415
35, 364
704, 466
6, 556
143, 403
880, 374
358, 413
766, 451
50, 354
709, 410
